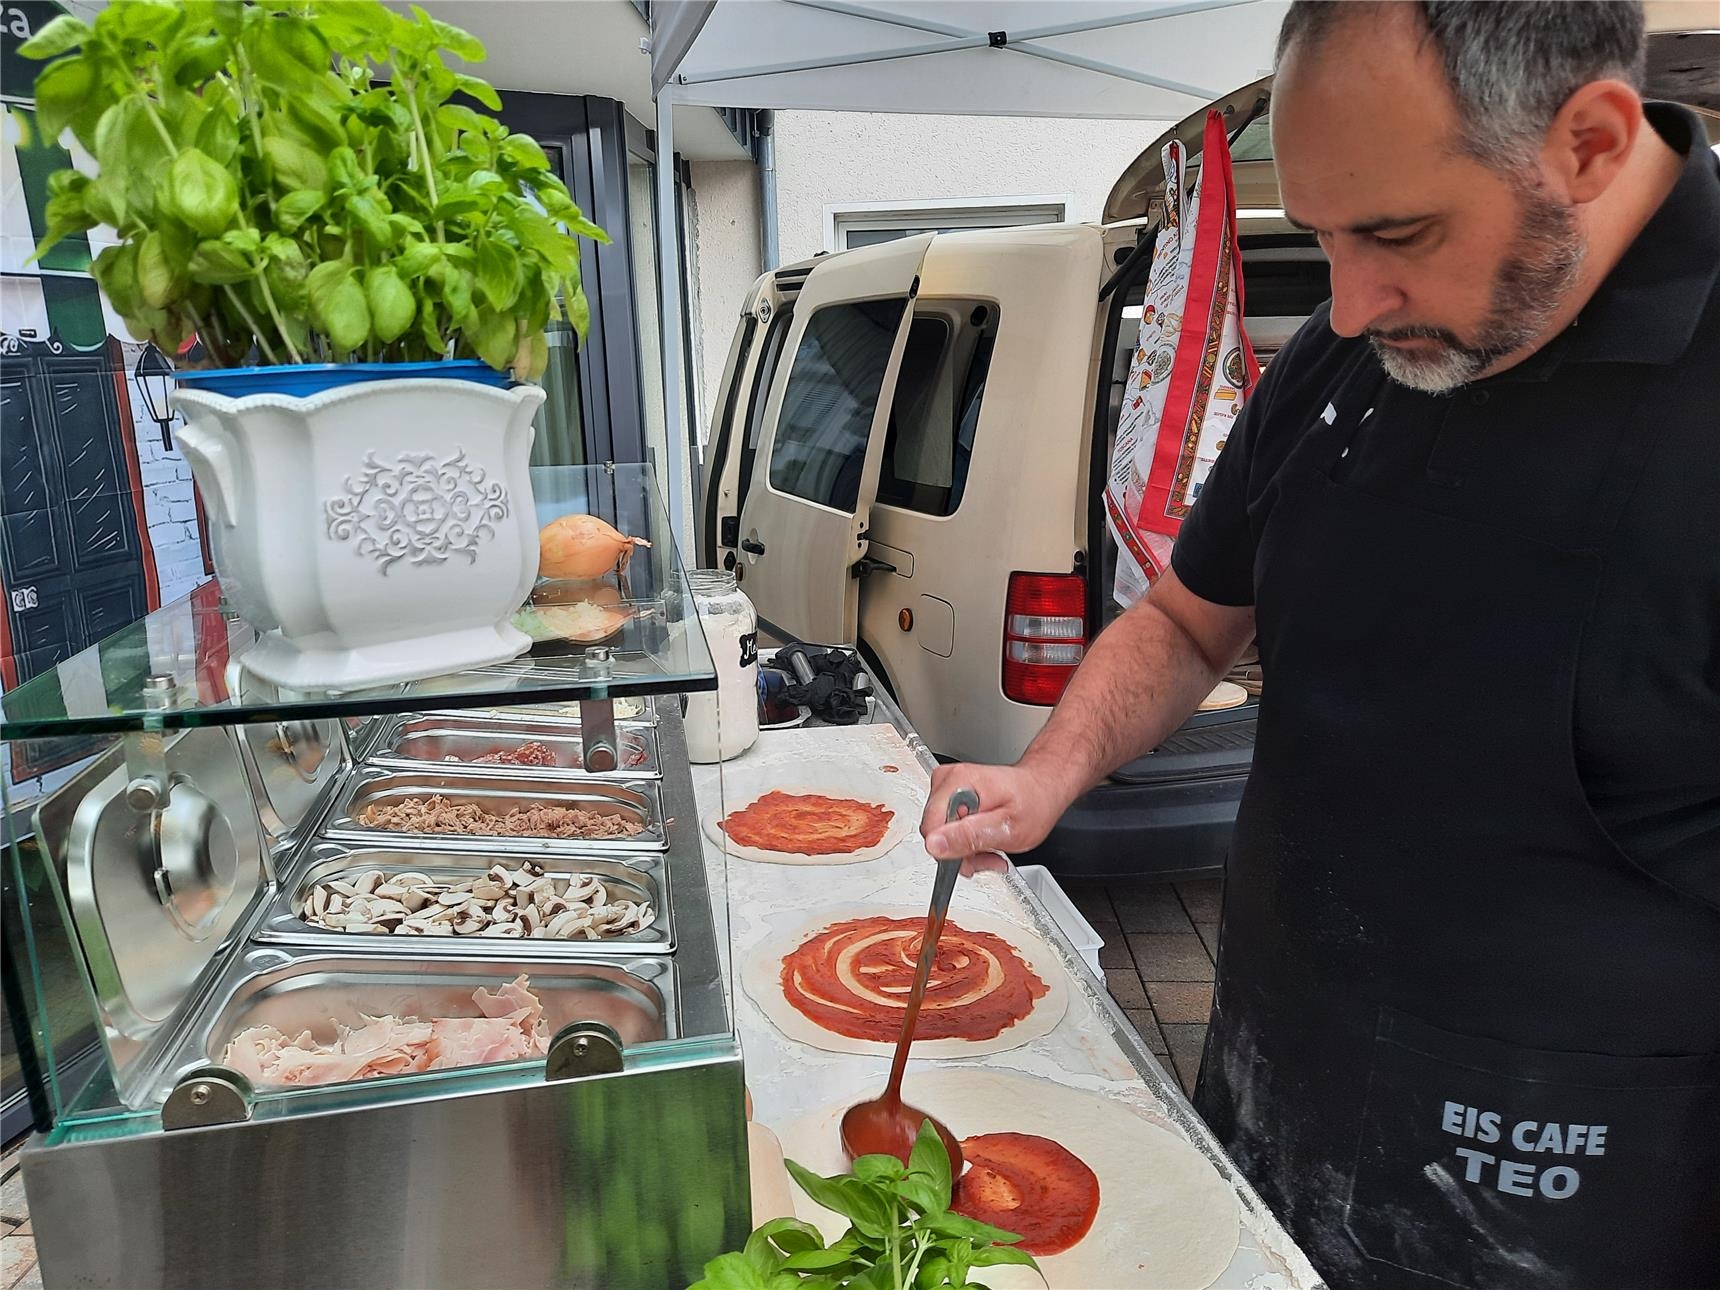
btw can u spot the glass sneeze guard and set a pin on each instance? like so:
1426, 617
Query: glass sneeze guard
124, 957
175, 668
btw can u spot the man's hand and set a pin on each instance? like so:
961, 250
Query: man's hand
1017, 809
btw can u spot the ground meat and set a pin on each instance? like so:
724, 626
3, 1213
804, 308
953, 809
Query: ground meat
439, 815
531, 753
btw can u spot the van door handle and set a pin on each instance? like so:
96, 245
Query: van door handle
866, 564
752, 546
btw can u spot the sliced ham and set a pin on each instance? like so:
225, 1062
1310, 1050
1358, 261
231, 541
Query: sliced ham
510, 1028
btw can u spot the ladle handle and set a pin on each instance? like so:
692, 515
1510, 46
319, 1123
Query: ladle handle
943, 888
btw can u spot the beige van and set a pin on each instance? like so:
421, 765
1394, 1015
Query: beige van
909, 452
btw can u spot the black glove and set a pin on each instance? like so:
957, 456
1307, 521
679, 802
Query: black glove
831, 694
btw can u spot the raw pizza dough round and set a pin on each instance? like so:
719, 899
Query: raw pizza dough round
904, 818
761, 978
1166, 1221
1226, 694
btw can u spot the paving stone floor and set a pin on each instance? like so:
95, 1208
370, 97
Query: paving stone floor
1161, 941
18, 1270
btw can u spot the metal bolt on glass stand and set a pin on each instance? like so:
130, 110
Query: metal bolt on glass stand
599, 745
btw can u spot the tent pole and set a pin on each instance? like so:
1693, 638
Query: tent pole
674, 474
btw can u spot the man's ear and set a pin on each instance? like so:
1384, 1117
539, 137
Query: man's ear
1591, 139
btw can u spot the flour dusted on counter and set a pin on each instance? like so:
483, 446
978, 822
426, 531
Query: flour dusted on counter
724, 723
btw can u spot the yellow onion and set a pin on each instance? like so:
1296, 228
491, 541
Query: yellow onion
583, 546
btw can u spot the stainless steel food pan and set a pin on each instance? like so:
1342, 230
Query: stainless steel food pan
457, 742
640, 801
639, 879
639, 708
296, 990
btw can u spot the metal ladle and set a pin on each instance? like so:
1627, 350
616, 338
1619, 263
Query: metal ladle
887, 1125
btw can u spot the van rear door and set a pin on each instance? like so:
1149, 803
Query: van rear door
805, 514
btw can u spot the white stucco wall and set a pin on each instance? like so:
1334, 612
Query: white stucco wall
725, 220
827, 159
838, 159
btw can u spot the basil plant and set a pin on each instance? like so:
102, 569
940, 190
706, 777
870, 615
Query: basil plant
275, 196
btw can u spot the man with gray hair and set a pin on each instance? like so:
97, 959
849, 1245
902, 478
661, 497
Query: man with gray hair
1467, 1023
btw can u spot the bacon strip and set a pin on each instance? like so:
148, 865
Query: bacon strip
853, 978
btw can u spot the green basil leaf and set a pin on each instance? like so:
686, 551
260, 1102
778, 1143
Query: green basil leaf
320, 125
196, 58
578, 310
218, 136
733, 1272
115, 271
321, 282
523, 150
346, 314
930, 1160
372, 216
880, 1276
762, 1254
824, 1191
218, 264
481, 90
392, 305
343, 168
201, 192
951, 1224
498, 273
246, 241
61, 89
818, 1260
457, 201
429, 333
454, 116
457, 295
159, 279
495, 337
301, 40
62, 34
105, 201
993, 1255
146, 20
878, 1169
296, 207
458, 42
417, 259
294, 164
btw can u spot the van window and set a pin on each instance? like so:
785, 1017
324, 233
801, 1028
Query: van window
828, 405
775, 337
933, 418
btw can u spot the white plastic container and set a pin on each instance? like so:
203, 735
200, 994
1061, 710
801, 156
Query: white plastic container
723, 724
1063, 912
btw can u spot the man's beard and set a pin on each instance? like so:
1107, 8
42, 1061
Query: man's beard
1539, 272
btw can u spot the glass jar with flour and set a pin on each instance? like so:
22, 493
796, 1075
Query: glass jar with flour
724, 723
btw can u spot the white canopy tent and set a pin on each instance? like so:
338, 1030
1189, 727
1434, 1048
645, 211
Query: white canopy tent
1148, 59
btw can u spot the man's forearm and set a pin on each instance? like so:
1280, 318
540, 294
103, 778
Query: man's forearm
1140, 680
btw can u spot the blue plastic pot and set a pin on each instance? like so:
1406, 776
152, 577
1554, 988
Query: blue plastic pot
302, 380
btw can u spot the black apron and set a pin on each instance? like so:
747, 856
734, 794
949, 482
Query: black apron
1459, 1037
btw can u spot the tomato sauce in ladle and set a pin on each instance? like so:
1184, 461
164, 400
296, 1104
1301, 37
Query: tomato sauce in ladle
887, 1126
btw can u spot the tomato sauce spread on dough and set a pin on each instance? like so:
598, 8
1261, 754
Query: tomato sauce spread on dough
1030, 1186
808, 824
853, 978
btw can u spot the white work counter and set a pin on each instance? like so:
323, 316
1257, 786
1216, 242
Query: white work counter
1093, 1047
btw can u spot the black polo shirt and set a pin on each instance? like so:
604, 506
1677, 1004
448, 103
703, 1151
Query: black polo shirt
1647, 708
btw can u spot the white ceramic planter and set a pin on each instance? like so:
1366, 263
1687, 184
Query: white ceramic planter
378, 532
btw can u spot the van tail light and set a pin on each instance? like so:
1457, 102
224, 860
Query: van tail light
1044, 635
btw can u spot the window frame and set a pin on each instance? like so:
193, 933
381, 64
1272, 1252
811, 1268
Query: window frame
906, 303
911, 214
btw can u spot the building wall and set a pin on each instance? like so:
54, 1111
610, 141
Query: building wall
829, 160
726, 260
